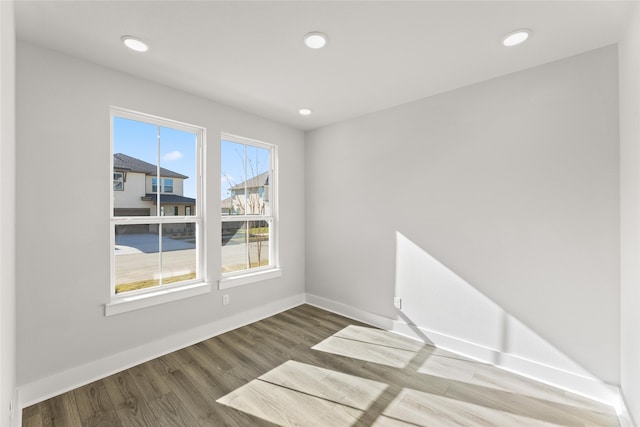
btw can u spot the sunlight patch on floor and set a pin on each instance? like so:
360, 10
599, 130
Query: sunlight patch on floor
295, 393
371, 345
415, 408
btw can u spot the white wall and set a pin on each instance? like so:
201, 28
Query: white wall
63, 253
134, 190
7, 212
492, 210
629, 51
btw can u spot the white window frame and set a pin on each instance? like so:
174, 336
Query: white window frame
133, 300
243, 277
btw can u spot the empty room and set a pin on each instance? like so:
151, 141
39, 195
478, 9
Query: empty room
319, 213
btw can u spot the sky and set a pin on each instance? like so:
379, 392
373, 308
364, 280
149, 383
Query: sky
234, 156
178, 153
177, 148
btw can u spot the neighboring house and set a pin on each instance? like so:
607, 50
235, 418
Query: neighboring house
250, 197
135, 188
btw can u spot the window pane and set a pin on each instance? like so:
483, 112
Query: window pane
245, 245
258, 243
135, 150
137, 257
233, 179
168, 185
178, 168
178, 252
234, 246
257, 183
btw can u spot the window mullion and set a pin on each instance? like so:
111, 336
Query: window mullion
158, 179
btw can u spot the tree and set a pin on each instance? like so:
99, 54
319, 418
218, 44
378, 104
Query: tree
247, 198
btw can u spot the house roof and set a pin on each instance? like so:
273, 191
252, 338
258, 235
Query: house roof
170, 199
122, 162
257, 181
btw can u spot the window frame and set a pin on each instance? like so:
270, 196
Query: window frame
132, 300
242, 277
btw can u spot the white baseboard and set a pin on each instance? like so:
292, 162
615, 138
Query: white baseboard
45, 388
585, 386
626, 420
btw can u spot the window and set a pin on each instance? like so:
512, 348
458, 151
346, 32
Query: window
153, 252
248, 214
167, 186
187, 210
118, 181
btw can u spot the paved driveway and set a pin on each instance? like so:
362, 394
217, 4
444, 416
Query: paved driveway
148, 243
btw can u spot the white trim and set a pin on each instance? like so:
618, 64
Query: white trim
129, 302
150, 118
75, 377
624, 416
588, 387
246, 141
255, 276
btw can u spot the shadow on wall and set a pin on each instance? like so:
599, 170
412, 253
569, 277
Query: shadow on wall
440, 307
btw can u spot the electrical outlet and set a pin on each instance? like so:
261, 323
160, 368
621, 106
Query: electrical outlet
225, 299
397, 302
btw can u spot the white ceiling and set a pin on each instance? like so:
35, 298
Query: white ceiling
250, 55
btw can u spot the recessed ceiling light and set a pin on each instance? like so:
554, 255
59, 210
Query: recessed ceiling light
515, 38
134, 43
304, 111
315, 40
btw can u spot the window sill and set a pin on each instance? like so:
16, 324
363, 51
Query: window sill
123, 304
233, 281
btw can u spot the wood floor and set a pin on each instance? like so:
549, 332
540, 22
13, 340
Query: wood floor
308, 367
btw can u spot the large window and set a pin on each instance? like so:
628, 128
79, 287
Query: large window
249, 220
151, 251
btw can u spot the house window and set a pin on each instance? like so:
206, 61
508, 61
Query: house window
175, 211
145, 254
118, 181
167, 185
187, 210
248, 216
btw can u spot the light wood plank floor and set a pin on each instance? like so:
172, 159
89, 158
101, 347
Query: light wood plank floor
309, 367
